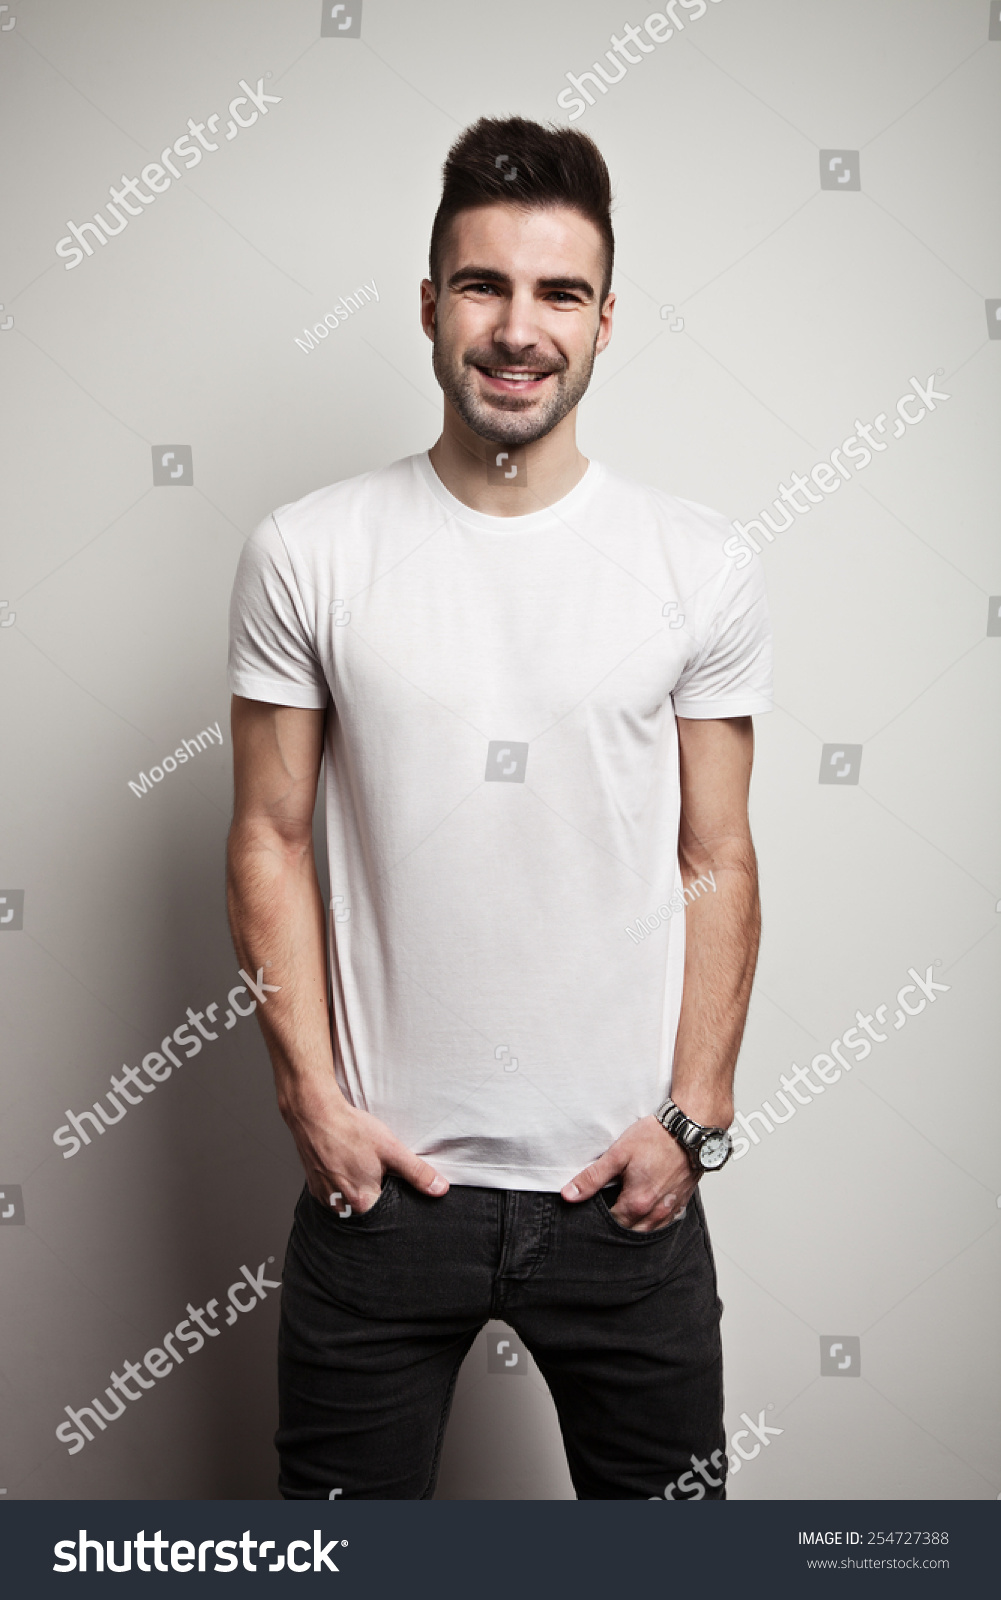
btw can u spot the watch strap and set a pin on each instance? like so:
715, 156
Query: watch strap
674, 1120
690, 1135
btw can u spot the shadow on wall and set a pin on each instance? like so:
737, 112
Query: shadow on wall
503, 1440
230, 1178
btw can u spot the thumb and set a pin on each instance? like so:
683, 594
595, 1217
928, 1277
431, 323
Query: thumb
421, 1174
593, 1177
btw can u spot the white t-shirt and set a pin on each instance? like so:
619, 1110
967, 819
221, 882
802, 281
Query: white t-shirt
502, 791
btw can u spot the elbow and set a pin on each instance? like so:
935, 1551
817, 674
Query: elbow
254, 846
731, 856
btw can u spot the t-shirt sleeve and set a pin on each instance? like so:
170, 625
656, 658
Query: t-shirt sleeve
272, 654
730, 674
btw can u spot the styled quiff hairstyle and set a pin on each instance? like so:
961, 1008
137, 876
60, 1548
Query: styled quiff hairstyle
523, 163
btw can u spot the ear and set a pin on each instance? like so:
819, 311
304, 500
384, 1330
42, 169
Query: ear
605, 323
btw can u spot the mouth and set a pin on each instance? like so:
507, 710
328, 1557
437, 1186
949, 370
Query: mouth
515, 380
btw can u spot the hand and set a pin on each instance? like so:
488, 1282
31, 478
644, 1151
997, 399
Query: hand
348, 1151
658, 1180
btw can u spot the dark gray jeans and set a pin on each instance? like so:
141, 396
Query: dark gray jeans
380, 1308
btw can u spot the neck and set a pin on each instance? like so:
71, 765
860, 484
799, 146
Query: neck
549, 467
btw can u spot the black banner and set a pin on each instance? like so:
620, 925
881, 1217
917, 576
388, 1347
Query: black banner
498, 1550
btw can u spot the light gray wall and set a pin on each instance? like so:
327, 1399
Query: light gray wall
873, 1213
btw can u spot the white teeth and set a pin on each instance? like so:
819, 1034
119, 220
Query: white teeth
518, 377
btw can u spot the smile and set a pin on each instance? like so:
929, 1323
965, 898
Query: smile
514, 377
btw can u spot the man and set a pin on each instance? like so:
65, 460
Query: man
532, 682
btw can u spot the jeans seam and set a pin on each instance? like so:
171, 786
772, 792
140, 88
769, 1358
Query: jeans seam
443, 1423
543, 1237
704, 1228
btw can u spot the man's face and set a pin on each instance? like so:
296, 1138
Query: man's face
517, 325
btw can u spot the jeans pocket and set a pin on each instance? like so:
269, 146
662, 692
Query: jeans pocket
349, 1215
382, 1199
645, 1236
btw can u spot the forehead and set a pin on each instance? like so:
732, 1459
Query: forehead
531, 242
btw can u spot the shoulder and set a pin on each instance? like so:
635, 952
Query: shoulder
695, 543
687, 522
309, 522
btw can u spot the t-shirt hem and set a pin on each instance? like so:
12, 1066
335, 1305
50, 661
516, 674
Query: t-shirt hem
753, 706
276, 692
547, 1179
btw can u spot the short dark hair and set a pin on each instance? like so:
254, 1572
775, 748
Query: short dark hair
554, 166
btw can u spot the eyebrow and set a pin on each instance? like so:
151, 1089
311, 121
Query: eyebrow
491, 275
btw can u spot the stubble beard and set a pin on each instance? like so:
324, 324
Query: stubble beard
506, 418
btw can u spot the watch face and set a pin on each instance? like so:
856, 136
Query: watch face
715, 1150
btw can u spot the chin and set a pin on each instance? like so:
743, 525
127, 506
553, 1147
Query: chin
506, 425
495, 433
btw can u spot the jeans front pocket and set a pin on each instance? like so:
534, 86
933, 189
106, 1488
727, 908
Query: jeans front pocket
351, 1218
644, 1236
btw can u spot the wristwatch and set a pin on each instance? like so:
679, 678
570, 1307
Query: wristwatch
707, 1149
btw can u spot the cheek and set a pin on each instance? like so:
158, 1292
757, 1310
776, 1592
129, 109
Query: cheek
579, 346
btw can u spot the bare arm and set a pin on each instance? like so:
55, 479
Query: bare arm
722, 926
278, 922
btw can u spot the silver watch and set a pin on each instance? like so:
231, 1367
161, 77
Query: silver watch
707, 1149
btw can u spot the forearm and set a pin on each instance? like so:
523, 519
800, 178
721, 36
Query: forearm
277, 920
722, 931
279, 923
277, 915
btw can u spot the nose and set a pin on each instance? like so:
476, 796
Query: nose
517, 325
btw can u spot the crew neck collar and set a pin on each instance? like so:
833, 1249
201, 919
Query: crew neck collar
530, 522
